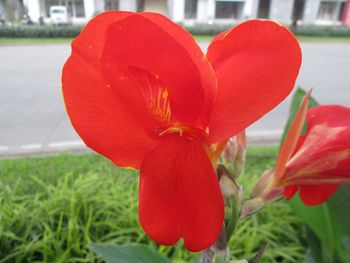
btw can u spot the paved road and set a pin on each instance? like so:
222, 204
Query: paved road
32, 116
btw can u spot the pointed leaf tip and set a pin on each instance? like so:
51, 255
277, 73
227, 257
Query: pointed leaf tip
292, 136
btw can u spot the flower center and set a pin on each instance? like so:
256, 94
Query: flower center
184, 131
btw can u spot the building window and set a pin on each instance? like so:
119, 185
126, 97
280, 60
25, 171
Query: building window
191, 8
111, 5
229, 10
264, 9
298, 10
78, 8
327, 11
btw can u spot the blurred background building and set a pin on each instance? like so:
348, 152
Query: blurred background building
189, 12
11, 9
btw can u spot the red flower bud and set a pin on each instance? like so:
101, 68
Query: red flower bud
316, 163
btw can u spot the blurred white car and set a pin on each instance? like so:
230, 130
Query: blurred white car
59, 15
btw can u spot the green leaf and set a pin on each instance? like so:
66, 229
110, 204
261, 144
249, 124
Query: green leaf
134, 253
309, 257
314, 254
329, 221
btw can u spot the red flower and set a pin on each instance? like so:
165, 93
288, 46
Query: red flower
316, 163
139, 90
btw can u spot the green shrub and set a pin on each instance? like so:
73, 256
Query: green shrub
52, 207
303, 30
326, 31
40, 31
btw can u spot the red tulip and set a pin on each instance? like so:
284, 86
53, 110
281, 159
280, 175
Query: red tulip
139, 90
316, 163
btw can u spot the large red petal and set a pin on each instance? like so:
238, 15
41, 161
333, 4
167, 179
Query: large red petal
316, 194
180, 195
103, 120
154, 43
329, 115
256, 64
100, 112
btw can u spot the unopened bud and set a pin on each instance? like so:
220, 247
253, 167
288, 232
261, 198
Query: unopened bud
235, 152
251, 207
233, 196
229, 188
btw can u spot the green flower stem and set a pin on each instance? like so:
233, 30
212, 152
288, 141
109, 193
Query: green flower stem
217, 253
207, 255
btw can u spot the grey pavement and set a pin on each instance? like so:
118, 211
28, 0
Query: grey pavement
33, 119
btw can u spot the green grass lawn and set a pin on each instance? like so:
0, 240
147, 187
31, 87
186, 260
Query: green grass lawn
204, 38
52, 207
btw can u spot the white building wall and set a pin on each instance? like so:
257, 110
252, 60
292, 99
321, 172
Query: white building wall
33, 7
99, 6
206, 11
255, 8
248, 9
157, 6
311, 11
89, 6
211, 11
202, 11
128, 5
281, 10
176, 10
4, 12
